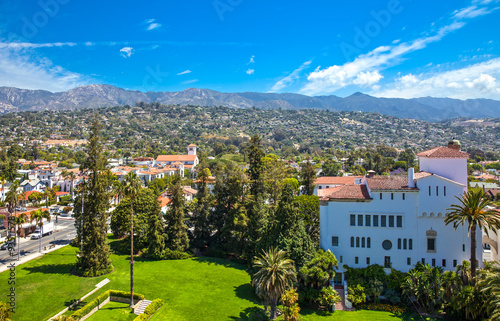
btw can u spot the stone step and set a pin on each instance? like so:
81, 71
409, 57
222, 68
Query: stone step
142, 306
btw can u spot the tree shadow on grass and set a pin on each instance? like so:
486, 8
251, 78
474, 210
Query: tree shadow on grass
246, 292
50, 268
223, 262
319, 313
250, 314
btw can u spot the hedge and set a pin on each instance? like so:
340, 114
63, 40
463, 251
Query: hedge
150, 310
103, 296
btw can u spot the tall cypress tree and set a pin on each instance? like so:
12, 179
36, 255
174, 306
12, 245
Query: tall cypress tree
91, 225
156, 248
307, 177
176, 230
255, 153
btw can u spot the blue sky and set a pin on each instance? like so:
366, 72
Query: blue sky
390, 48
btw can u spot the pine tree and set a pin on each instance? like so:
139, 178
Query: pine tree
201, 215
156, 248
92, 223
176, 230
255, 153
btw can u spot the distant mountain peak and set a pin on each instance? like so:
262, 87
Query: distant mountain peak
102, 95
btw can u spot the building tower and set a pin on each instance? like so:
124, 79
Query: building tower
191, 149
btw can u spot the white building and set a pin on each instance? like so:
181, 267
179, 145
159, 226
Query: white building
396, 221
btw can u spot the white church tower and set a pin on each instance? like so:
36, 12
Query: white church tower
191, 149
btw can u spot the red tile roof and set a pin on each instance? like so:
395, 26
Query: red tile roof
334, 180
191, 145
388, 183
176, 158
422, 174
443, 152
348, 192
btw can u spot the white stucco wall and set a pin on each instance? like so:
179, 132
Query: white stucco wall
451, 168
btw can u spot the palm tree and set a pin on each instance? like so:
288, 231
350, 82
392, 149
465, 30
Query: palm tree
38, 216
472, 208
276, 274
131, 186
12, 199
492, 283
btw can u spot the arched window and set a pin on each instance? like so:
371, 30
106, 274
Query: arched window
352, 241
357, 241
410, 244
368, 242
404, 244
399, 244
362, 242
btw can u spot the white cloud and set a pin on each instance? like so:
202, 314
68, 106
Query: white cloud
367, 79
251, 61
476, 81
471, 12
288, 80
126, 52
151, 24
189, 81
250, 71
22, 69
328, 80
30, 45
184, 72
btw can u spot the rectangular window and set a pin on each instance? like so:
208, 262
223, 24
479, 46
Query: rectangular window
437, 190
463, 247
353, 220
392, 196
341, 259
444, 263
429, 191
335, 241
454, 263
408, 261
383, 221
367, 261
391, 221
433, 262
444, 191
380, 195
360, 220
368, 220
431, 245
356, 260
410, 244
387, 261
423, 261
403, 196
375, 220
399, 221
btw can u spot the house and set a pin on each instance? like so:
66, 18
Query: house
188, 161
334, 181
397, 221
32, 185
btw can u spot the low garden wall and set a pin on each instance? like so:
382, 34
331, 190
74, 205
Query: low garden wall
110, 295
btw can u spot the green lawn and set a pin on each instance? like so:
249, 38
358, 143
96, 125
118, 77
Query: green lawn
193, 289
113, 311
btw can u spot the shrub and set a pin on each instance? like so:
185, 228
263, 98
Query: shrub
328, 297
67, 209
356, 294
175, 255
103, 296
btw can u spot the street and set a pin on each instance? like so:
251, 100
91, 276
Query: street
29, 246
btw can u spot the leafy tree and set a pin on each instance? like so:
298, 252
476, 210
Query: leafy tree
91, 225
39, 216
176, 230
331, 168
328, 297
356, 294
5, 311
307, 177
473, 210
308, 207
255, 153
276, 274
15, 151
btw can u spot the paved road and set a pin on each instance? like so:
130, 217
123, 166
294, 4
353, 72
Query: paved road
29, 246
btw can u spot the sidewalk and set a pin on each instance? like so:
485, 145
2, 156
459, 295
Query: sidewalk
27, 258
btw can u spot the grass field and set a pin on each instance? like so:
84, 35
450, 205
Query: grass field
193, 289
113, 311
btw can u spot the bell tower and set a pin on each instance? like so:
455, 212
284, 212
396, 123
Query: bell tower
191, 149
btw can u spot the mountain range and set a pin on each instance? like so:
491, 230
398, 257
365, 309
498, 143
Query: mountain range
94, 96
